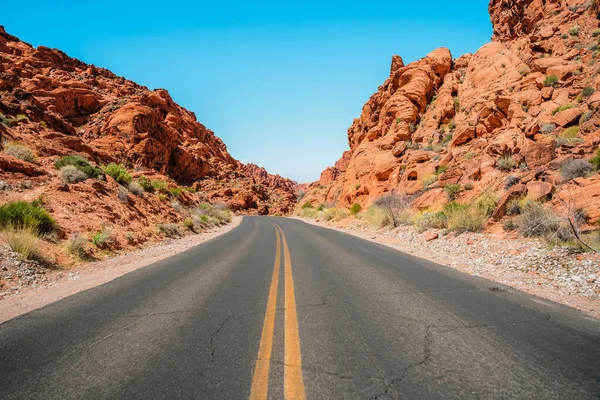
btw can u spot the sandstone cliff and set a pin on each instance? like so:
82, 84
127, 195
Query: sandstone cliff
522, 106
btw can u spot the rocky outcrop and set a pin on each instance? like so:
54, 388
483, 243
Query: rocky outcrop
522, 105
57, 105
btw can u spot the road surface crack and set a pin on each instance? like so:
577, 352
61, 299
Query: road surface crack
213, 336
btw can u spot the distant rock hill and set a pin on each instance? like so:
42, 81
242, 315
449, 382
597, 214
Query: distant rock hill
55, 105
524, 105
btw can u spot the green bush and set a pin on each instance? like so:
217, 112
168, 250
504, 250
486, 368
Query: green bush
118, 173
159, 186
176, 191
562, 108
574, 30
551, 80
79, 162
104, 238
451, 190
429, 220
587, 92
21, 214
307, 205
595, 161
355, 208
596, 32
169, 230
334, 214
569, 136
146, 184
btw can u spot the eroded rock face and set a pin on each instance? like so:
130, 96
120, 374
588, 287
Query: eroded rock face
66, 106
440, 121
56, 105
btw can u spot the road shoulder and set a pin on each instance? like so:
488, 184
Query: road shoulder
85, 276
517, 264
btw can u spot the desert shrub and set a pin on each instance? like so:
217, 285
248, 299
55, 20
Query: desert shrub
146, 184
509, 225
596, 32
77, 245
18, 150
188, 223
130, 237
123, 194
548, 128
177, 206
469, 185
216, 214
486, 203
451, 190
440, 170
595, 161
429, 180
79, 162
307, 205
551, 80
429, 220
587, 92
377, 217
136, 188
456, 102
24, 242
6, 120
118, 173
71, 174
470, 155
569, 136
585, 117
22, 117
393, 204
467, 220
564, 107
355, 208
574, 30
162, 197
537, 220
514, 206
104, 238
505, 163
308, 212
510, 181
334, 214
169, 230
175, 191
22, 214
451, 126
575, 169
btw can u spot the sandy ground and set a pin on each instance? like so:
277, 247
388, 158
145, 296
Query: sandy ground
524, 264
86, 276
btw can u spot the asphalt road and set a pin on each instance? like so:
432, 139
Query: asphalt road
312, 313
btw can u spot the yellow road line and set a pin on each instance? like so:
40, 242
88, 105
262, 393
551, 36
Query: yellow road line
260, 382
293, 382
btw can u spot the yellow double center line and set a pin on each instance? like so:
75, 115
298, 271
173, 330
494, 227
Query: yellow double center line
293, 383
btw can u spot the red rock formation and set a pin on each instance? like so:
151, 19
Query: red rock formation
445, 121
57, 105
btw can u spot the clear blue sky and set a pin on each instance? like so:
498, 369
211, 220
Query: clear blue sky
279, 82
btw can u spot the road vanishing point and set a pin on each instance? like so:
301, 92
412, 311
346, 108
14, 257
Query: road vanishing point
280, 309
